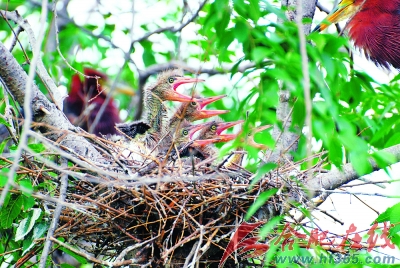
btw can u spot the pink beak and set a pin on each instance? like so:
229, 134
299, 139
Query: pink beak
176, 96
195, 128
200, 143
205, 101
202, 114
226, 137
222, 126
184, 80
221, 137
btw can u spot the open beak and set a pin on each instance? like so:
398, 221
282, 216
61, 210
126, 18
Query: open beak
194, 128
226, 137
220, 137
205, 101
200, 143
176, 96
222, 126
202, 114
184, 80
344, 9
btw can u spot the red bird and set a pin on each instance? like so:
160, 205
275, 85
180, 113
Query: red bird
374, 26
85, 100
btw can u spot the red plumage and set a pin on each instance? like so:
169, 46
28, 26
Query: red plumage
375, 28
85, 100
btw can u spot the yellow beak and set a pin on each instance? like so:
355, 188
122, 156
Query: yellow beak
344, 10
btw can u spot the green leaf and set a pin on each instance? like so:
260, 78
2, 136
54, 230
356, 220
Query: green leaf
262, 171
393, 140
9, 213
383, 159
240, 7
3, 180
39, 230
241, 31
260, 201
396, 240
27, 244
26, 225
79, 258
29, 202
148, 54
360, 162
3, 145
66, 265
254, 10
37, 147
269, 226
387, 215
260, 53
26, 187
4, 122
395, 229
13, 147
91, 27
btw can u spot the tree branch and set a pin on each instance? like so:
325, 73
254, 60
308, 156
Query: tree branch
306, 79
335, 178
289, 140
56, 214
15, 79
42, 72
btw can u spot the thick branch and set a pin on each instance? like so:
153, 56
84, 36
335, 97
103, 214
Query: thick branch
335, 178
53, 90
14, 78
285, 139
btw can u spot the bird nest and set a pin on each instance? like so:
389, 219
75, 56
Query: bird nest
170, 215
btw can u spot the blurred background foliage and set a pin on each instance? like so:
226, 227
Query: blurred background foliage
243, 48
246, 53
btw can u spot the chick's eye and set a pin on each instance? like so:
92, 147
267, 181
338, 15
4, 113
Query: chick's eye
171, 80
193, 103
185, 132
213, 127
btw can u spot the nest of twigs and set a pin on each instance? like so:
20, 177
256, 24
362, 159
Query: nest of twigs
168, 217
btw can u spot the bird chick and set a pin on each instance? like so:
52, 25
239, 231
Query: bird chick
193, 110
213, 132
155, 111
183, 139
164, 89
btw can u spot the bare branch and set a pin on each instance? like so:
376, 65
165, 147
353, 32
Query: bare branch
56, 215
15, 79
172, 28
306, 79
335, 178
15, 40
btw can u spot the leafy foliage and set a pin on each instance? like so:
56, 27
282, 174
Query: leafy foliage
353, 116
